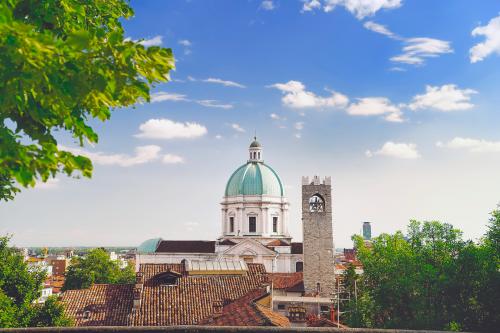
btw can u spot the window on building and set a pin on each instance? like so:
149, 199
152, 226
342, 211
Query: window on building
231, 224
259, 156
325, 308
299, 266
281, 306
275, 224
252, 224
318, 287
86, 315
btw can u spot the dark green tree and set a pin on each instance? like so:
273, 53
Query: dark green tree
429, 279
96, 267
20, 287
62, 64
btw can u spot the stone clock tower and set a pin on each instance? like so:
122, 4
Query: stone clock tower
318, 236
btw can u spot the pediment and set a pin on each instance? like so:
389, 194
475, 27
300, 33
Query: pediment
249, 247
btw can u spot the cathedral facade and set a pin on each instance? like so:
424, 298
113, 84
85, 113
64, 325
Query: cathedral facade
254, 225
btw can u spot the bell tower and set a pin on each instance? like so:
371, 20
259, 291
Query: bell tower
317, 232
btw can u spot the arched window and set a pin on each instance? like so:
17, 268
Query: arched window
316, 203
275, 224
318, 287
231, 224
259, 155
299, 266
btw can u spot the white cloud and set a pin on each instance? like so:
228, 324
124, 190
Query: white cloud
299, 126
210, 103
310, 5
143, 154
237, 128
50, 184
274, 116
298, 135
359, 8
396, 150
472, 145
162, 96
168, 129
185, 43
491, 44
374, 106
226, 83
296, 96
445, 98
417, 49
218, 136
381, 29
267, 5
172, 159
155, 41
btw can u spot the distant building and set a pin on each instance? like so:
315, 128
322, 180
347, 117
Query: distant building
254, 224
367, 231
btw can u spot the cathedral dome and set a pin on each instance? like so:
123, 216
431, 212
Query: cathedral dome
254, 178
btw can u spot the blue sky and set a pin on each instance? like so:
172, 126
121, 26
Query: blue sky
397, 100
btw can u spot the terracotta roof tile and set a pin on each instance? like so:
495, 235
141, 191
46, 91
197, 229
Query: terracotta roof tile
246, 312
286, 280
189, 301
105, 304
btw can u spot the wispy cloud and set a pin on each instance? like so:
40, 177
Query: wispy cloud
187, 44
226, 83
444, 98
415, 50
143, 154
396, 150
381, 29
172, 159
237, 128
491, 44
471, 145
168, 130
163, 96
267, 5
359, 8
155, 41
210, 103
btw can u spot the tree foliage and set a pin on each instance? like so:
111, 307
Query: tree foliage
96, 267
63, 63
429, 279
20, 287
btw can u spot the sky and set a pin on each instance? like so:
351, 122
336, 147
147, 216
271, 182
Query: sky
396, 100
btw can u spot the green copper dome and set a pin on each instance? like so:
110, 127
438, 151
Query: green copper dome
254, 178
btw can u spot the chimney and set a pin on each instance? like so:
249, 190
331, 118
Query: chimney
217, 307
139, 284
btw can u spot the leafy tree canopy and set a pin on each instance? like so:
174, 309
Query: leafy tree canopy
96, 267
63, 63
20, 287
428, 279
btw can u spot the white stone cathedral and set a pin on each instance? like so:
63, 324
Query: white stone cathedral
254, 224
